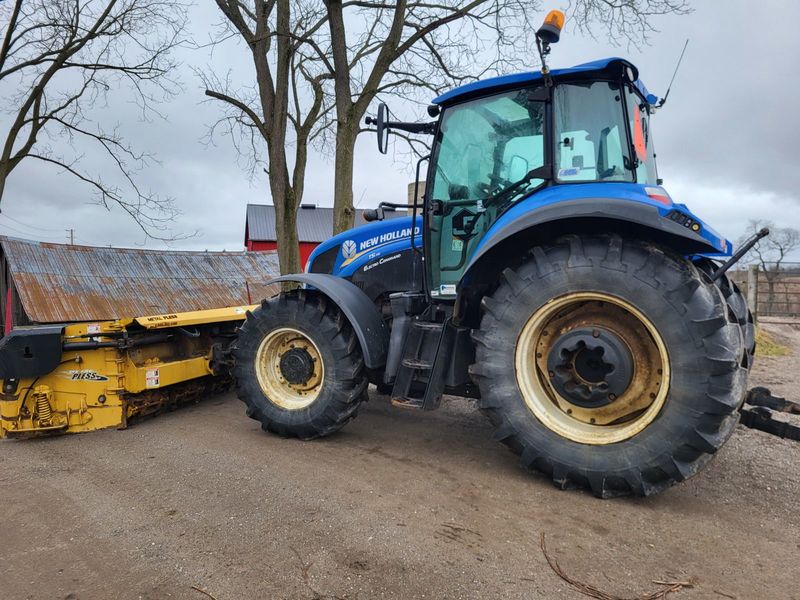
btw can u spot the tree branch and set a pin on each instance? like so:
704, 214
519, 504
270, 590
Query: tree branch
251, 114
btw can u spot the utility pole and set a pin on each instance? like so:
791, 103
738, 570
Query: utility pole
71, 233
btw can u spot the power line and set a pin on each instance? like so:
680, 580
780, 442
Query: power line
49, 239
25, 233
26, 225
12, 229
70, 232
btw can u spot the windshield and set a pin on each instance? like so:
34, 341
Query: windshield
485, 148
591, 139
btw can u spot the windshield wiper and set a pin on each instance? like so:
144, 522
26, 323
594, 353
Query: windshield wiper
544, 172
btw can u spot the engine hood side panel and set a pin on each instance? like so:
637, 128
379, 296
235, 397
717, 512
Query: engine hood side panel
367, 243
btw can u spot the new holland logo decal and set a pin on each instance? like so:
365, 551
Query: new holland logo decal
349, 249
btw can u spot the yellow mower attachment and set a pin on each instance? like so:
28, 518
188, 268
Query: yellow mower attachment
87, 376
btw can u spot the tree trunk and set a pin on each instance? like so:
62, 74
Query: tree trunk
4, 172
343, 211
285, 202
283, 198
346, 122
288, 245
351, 106
274, 97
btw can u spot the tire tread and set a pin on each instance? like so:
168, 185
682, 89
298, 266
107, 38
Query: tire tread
690, 293
341, 401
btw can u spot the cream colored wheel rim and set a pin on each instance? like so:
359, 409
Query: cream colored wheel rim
626, 415
279, 391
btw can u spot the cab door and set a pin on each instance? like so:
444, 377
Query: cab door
484, 149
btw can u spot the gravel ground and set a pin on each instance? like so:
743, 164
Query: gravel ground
397, 505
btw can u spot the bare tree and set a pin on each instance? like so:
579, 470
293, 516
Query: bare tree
61, 58
770, 252
629, 22
403, 47
285, 107
409, 46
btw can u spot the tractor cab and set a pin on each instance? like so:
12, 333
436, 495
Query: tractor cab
499, 142
506, 147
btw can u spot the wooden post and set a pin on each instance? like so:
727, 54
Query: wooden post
752, 290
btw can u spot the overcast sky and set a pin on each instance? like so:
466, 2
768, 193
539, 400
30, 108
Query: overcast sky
727, 141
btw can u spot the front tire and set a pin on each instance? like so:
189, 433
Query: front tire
298, 366
610, 365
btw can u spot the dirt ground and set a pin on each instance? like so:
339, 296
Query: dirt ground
397, 505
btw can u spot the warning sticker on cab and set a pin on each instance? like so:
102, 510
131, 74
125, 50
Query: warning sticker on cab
152, 378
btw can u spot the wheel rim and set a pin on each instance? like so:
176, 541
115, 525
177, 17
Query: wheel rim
592, 368
289, 368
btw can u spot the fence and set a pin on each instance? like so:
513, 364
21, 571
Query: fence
777, 292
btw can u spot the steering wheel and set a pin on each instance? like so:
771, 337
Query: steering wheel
497, 180
610, 172
496, 185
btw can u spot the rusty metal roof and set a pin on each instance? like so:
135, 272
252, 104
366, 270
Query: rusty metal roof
60, 283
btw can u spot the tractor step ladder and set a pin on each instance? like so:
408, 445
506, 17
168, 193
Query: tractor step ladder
420, 378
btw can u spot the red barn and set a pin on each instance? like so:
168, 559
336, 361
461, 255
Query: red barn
314, 225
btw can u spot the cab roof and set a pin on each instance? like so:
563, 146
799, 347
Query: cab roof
603, 66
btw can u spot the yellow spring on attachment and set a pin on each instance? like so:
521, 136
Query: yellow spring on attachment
43, 408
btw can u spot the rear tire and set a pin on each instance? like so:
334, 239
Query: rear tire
738, 306
298, 366
646, 449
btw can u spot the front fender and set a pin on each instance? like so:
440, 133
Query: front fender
537, 220
364, 317
598, 214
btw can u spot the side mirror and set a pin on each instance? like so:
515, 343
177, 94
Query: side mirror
382, 125
379, 214
383, 128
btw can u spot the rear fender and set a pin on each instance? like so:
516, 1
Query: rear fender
364, 317
508, 242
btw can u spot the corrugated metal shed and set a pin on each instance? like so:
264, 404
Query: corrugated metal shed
314, 223
54, 283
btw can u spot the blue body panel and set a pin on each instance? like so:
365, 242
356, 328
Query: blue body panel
623, 191
486, 85
365, 244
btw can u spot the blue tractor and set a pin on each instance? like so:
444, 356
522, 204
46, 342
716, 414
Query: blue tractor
546, 273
